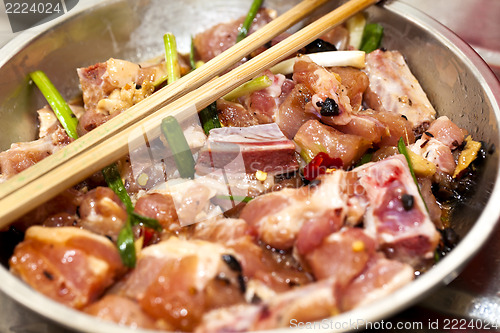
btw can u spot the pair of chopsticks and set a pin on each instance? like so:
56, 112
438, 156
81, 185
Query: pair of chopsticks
109, 142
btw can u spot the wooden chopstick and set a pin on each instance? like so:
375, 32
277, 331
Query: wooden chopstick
112, 148
166, 95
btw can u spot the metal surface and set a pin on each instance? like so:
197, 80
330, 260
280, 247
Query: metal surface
457, 81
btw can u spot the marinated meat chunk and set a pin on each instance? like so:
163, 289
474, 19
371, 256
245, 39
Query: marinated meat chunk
122, 311
61, 210
277, 271
70, 265
435, 152
220, 37
232, 114
178, 280
329, 102
393, 88
224, 231
279, 218
381, 277
247, 149
102, 212
236, 318
342, 256
397, 126
379, 127
47, 121
264, 103
113, 86
314, 137
365, 126
159, 206
291, 113
22, 155
304, 304
445, 131
355, 81
396, 215
437, 143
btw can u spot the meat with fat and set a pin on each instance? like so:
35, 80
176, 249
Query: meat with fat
68, 264
393, 88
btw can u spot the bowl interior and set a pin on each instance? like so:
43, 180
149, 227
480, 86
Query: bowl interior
457, 82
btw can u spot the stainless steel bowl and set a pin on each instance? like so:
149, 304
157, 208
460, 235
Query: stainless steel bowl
457, 81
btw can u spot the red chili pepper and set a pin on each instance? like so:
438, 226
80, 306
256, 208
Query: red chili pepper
148, 234
319, 164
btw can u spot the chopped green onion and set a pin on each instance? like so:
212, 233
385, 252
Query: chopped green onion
125, 241
366, 158
192, 60
57, 103
179, 146
114, 181
256, 4
126, 246
259, 83
208, 118
239, 198
437, 257
171, 58
372, 36
148, 222
402, 150
356, 25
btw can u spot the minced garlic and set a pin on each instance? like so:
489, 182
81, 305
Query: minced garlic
261, 175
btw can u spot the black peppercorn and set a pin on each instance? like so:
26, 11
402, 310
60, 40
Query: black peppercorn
408, 200
232, 263
329, 108
319, 45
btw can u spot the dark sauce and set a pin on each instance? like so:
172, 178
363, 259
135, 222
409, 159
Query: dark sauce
8, 240
319, 45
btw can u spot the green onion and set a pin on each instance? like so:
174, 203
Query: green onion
259, 83
148, 222
179, 146
208, 118
402, 150
125, 241
57, 103
366, 158
372, 36
114, 181
256, 4
239, 198
171, 58
192, 60
356, 26
126, 246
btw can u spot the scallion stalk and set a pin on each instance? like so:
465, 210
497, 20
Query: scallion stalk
239, 198
125, 243
356, 26
259, 83
179, 146
209, 118
402, 150
366, 158
372, 36
57, 103
192, 58
245, 28
171, 58
114, 181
